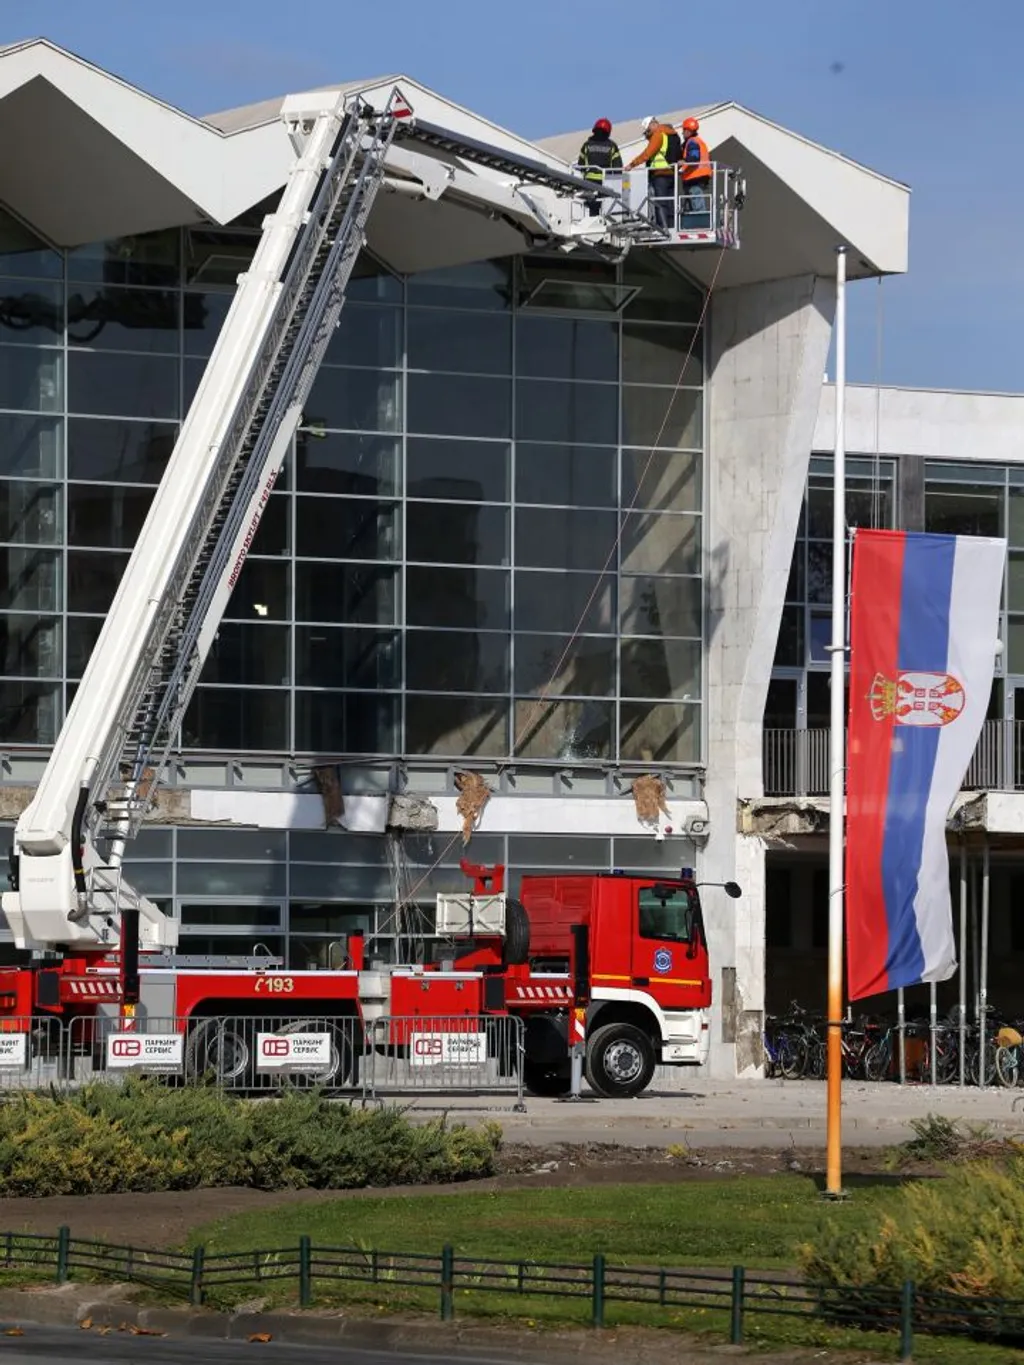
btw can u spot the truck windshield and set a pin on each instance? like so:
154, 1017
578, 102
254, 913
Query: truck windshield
667, 913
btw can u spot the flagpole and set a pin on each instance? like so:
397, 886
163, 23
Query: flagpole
837, 820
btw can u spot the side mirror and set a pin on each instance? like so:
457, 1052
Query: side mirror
733, 890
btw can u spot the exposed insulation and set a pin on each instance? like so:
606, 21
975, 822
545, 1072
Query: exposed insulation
649, 798
328, 784
474, 794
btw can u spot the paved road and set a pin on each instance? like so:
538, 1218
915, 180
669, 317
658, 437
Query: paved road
740, 1113
53, 1346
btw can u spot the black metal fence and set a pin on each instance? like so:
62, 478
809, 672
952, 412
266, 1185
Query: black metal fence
734, 1295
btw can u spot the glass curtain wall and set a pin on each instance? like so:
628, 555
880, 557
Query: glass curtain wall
473, 515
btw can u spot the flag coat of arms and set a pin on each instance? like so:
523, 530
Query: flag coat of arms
924, 626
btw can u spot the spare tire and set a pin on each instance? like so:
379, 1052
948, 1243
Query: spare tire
516, 949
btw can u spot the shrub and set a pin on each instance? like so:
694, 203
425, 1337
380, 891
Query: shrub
145, 1136
963, 1235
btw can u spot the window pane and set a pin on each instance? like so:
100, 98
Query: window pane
457, 726
93, 579
474, 471
1015, 650
562, 538
1015, 583
150, 258
274, 534
30, 646
347, 658
222, 718
367, 335
549, 411
456, 661
336, 846
819, 571
29, 712
563, 602
467, 599
560, 665
30, 580
30, 513
328, 723
567, 730
31, 446
31, 313
789, 652
119, 452
573, 476
456, 532
483, 284
658, 355
347, 528
261, 592
661, 417
218, 256
106, 319
83, 632
233, 881
122, 385
364, 594
664, 293
666, 733
355, 400
661, 606
30, 379
232, 845
459, 405
661, 668
663, 480
109, 517
204, 315
567, 348
660, 544
467, 343
346, 463
251, 655
152, 879
967, 511
23, 253
1016, 519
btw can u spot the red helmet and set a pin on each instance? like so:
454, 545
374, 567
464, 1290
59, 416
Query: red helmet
691, 125
602, 126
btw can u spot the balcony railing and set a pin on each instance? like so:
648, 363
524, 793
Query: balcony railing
796, 762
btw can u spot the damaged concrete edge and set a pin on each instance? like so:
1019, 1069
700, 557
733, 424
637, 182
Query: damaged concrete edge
70, 1306
781, 817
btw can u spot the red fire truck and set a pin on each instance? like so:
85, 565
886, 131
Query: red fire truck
630, 950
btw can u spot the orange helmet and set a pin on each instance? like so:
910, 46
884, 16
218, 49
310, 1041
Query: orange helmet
691, 125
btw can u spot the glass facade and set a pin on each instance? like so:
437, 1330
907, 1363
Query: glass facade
473, 517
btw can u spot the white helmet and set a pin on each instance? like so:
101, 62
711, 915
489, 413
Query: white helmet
648, 123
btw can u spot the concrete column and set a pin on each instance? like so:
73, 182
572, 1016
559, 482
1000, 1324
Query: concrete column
768, 349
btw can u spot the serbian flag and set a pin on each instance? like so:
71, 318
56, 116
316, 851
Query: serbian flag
924, 626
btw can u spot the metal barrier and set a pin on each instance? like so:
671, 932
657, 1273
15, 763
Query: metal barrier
687, 211
460, 1054
32, 1053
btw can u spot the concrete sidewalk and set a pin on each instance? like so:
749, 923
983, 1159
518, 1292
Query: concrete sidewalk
757, 1114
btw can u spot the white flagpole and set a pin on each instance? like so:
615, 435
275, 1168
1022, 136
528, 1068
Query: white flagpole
837, 783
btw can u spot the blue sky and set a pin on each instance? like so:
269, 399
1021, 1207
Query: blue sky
929, 92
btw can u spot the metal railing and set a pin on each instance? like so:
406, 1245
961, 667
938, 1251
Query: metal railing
686, 212
256, 1055
725, 1298
796, 762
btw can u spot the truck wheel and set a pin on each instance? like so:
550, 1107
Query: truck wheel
516, 946
338, 1072
546, 1081
620, 1061
221, 1049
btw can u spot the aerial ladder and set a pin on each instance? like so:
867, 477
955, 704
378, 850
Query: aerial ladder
68, 892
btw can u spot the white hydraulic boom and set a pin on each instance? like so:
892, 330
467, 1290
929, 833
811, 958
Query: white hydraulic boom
67, 888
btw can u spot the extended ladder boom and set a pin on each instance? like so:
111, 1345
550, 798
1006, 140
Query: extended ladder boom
125, 716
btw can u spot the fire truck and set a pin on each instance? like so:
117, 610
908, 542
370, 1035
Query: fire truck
627, 955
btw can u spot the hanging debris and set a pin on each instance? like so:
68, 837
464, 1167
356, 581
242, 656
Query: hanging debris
328, 784
412, 812
474, 794
649, 799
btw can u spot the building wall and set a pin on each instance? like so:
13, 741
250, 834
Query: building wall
769, 344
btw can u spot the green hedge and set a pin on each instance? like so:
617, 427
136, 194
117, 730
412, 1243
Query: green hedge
145, 1136
962, 1235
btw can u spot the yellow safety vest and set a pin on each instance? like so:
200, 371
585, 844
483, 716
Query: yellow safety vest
659, 161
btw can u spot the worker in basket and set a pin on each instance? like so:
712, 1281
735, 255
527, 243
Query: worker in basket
696, 176
600, 155
661, 155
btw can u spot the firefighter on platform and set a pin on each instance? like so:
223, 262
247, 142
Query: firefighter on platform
598, 156
696, 176
660, 156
